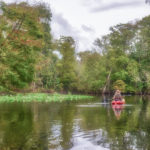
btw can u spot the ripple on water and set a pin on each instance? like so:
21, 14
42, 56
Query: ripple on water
83, 144
89, 140
93, 105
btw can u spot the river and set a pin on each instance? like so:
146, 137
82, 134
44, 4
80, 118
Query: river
76, 125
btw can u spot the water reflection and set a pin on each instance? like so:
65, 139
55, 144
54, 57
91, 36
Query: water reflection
75, 125
117, 110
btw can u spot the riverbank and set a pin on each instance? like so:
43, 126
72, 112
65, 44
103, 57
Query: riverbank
42, 97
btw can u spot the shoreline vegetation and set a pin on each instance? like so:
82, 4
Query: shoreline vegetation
42, 97
32, 59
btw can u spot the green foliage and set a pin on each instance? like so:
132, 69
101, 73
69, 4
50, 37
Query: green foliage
127, 52
119, 85
92, 75
28, 59
39, 97
22, 39
66, 46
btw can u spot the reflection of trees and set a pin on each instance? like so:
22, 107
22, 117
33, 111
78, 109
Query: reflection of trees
62, 130
67, 118
39, 137
51, 126
16, 125
130, 132
143, 125
36, 126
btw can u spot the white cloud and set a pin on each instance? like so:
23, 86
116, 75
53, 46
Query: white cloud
62, 27
87, 29
117, 5
87, 26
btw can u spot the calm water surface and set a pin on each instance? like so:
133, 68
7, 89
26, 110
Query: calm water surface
76, 125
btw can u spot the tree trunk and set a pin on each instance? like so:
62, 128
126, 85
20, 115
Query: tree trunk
107, 82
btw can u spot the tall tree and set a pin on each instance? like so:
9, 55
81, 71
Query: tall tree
22, 39
66, 46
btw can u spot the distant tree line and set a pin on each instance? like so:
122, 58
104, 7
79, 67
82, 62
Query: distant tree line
32, 60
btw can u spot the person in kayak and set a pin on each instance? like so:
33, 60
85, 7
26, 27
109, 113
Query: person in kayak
117, 96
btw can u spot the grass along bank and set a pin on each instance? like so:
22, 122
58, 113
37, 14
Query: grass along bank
42, 97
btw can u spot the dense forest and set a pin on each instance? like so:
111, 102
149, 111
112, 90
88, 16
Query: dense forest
32, 60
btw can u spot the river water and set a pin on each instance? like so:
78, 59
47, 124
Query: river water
76, 125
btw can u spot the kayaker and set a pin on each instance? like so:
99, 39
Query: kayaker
117, 96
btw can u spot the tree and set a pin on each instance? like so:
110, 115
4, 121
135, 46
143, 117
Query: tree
91, 77
119, 85
66, 46
22, 40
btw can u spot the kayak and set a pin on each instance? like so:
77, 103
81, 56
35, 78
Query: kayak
117, 102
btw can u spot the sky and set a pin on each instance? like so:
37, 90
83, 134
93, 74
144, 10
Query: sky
86, 20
